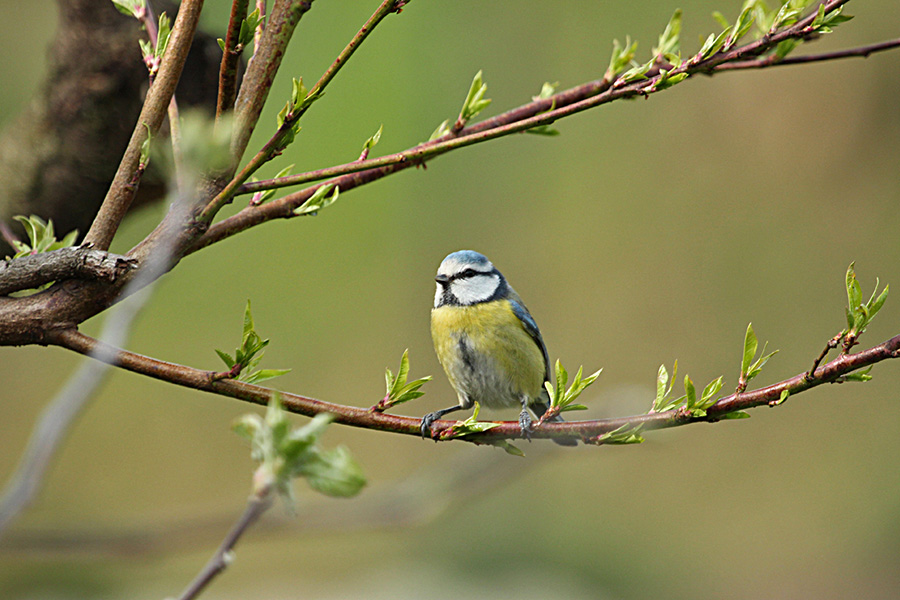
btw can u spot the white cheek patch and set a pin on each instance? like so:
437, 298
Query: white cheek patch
472, 290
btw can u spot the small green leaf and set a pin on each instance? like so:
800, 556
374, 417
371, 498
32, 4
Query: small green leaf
442, 130
226, 358
370, 143
738, 414
860, 376
318, 200
221, 43
471, 425
508, 447
263, 375
626, 434
784, 396
669, 39
475, 101
131, 8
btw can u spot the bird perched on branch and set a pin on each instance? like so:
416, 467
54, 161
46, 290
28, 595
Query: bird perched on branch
487, 341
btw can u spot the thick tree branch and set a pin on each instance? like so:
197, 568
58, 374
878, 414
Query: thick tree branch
588, 431
82, 262
155, 109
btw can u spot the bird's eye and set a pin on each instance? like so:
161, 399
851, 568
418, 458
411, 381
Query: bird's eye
468, 273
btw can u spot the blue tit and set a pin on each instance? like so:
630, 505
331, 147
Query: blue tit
487, 341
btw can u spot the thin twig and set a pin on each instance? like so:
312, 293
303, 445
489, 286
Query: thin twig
222, 558
362, 417
121, 191
230, 59
771, 61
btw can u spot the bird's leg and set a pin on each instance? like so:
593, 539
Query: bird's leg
430, 418
526, 423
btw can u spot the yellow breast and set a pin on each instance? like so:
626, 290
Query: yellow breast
487, 353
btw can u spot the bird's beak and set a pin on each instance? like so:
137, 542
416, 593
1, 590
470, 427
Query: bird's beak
442, 279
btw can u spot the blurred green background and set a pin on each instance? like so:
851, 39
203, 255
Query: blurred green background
648, 231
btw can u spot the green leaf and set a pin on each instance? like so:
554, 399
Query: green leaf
263, 375
738, 414
750, 346
334, 473
508, 447
785, 47
226, 358
131, 8
442, 130
784, 396
860, 376
162, 36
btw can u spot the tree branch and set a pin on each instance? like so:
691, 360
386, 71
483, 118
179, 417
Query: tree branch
588, 431
81, 262
122, 190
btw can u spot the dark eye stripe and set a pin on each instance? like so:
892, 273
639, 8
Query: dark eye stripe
469, 273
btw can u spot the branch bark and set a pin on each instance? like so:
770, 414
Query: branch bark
81, 262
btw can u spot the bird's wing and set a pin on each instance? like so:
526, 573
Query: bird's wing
531, 327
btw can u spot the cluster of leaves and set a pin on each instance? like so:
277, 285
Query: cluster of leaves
249, 27
749, 367
860, 314
242, 365
562, 399
474, 103
41, 237
288, 118
284, 453
397, 389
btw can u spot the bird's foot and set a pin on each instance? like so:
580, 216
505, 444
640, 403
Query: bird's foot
526, 424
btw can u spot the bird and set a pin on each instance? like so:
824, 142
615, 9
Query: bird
487, 342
